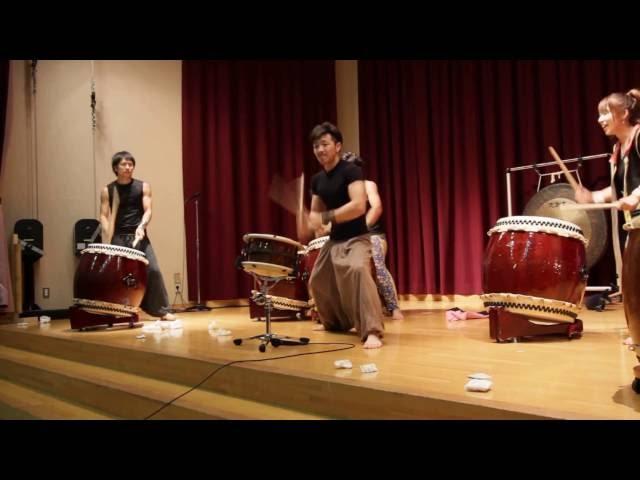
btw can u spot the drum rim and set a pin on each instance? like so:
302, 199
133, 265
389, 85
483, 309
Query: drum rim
268, 236
125, 252
105, 307
536, 217
264, 264
318, 241
528, 223
108, 246
536, 307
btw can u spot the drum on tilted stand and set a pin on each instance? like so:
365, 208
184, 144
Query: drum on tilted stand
275, 256
108, 286
270, 259
534, 277
290, 297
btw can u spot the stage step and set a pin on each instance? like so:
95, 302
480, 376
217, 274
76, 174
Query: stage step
123, 395
142, 380
21, 403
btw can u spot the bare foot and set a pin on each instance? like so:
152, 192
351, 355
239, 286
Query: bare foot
628, 341
169, 317
372, 342
397, 314
353, 330
318, 328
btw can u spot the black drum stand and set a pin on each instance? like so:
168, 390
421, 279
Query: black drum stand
263, 298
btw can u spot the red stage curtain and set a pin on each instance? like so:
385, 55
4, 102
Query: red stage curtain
438, 135
242, 123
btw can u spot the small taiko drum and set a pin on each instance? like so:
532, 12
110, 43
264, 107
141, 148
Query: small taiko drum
536, 267
270, 255
110, 280
289, 297
631, 291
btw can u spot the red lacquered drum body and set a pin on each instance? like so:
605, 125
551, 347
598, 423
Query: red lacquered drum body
535, 266
110, 280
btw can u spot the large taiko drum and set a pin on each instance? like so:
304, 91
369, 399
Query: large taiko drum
631, 291
270, 255
110, 280
535, 266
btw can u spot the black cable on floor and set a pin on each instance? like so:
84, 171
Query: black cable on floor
349, 346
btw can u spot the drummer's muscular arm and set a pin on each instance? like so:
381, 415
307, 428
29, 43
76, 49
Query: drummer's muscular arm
583, 195
356, 207
375, 212
104, 209
146, 205
602, 196
314, 220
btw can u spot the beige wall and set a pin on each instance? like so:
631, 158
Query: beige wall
347, 103
54, 168
50, 172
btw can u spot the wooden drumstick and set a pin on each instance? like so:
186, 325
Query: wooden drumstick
565, 170
301, 217
588, 206
111, 227
301, 199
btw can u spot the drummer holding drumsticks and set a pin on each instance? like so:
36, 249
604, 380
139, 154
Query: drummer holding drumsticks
342, 283
125, 212
620, 118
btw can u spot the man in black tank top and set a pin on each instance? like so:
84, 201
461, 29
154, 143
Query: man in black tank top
131, 199
342, 283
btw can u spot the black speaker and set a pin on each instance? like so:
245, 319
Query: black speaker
29, 231
86, 231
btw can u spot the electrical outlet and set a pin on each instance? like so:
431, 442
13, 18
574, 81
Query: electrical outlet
45, 293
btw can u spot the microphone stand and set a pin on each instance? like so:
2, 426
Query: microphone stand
198, 307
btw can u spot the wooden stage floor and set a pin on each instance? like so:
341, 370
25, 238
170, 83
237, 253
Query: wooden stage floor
422, 367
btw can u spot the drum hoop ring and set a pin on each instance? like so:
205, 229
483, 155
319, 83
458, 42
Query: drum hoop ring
107, 307
537, 307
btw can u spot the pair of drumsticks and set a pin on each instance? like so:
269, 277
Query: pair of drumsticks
575, 186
